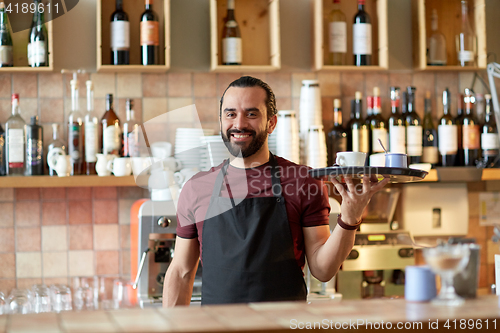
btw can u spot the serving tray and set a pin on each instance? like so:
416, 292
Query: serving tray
397, 175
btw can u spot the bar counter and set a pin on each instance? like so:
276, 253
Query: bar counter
348, 315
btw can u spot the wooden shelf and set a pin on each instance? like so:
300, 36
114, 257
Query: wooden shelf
134, 9
73, 181
491, 174
432, 176
260, 30
377, 9
449, 14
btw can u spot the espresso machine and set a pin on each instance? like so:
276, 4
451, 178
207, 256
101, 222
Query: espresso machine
374, 267
154, 250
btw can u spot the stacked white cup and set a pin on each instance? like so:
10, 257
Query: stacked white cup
316, 147
287, 136
310, 114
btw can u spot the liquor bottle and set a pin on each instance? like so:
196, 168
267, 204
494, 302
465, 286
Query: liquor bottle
368, 119
14, 141
38, 43
130, 132
413, 130
430, 138
34, 148
91, 132
120, 36
231, 38
466, 40
470, 132
447, 134
2, 151
397, 129
150, 36
55, 143
359, 129
75, 133
489, 135
362, 37
337, 29
458, 121
336, 139
404, 104
6, 58
111, 132
378, 125
437, 44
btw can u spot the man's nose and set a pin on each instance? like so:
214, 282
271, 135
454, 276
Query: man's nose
240, 122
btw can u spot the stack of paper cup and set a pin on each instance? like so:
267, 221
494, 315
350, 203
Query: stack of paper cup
316, 147
310, 112
287, 136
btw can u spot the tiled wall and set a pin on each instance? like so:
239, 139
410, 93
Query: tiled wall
52, 234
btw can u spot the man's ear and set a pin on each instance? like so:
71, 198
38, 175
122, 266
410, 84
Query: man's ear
272, 124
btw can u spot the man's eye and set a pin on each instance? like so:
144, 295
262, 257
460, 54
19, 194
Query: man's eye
229, 115
252, 114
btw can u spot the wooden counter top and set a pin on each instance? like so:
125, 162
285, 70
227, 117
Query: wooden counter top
270, 317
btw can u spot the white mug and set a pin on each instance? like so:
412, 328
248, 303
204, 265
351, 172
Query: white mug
120, 166
59, 161
140, 165
101, 167
185, 174
351, 158
170, 163
161, 149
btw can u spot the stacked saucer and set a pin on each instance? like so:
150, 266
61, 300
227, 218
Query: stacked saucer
212, 152
187, 145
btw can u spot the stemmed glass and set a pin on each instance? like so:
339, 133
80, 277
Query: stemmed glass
447, 260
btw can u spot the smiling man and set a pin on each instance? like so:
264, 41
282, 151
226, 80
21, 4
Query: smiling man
254, 219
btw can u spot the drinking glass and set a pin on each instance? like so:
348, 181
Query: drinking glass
61, 298
447, 260
83, 294
20, 301
41, 298
3, 305
122, 294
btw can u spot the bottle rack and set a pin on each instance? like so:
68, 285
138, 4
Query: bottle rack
449, 19
134, 9
377, 9
260, 32
20, 52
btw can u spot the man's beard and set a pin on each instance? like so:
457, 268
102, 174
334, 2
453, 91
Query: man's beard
253, 147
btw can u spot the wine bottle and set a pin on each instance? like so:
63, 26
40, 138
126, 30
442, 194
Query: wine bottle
6, 58
56, 142
111, 132
466, 40
38, 43
120, 36
362, 37
337, 29
231, 38
397, 129
150, 36
378, 125
437, 44
470, 132
458, 121
413, 130
336, 139
359, 129
447, 134
2, 151
76, 130
91, 132
368, 119
15, 144
404, 104
130, 132
489, 135
430, 138
34, 148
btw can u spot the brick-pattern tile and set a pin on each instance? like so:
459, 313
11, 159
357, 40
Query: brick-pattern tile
81, 237
5, 85
280, 83
80, 211
224, 80
107, 262
27, 194
129, 85
106, 237
28, 265
54, 213
81, 263
124, 206
7, 240
28, 239
153, 107
180, 85
48, 281
51, 85
55, 264
105, 211
8, 264
205, 85
284, 103
54, 193
27, 283
154, 85
125, 265
7, 215
6, 285
103, 84
54, 238
79, 193
105, 192
329, 83
124, 237
25, 85
5, 110
130, 192
208, 109
6, 194
51, 111
27, 213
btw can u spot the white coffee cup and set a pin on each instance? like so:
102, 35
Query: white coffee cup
59, 161
120, 166
351, 158
185, 174
141, 164
161, 149
102, 163
377, 160
170, 163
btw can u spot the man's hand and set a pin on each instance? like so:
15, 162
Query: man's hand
355, 198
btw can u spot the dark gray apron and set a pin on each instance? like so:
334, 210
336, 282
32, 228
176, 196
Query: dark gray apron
247, 249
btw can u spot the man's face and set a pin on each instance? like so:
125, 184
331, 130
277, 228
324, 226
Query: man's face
244, 124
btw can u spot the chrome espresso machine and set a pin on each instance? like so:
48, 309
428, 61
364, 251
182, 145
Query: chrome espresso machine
155, 248
374, 267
